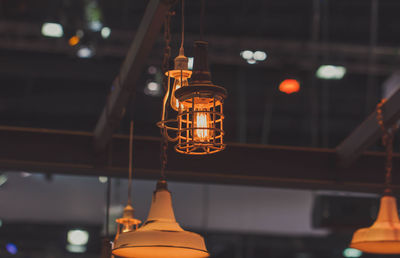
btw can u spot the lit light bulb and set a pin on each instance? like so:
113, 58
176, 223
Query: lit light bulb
180, 75
127, 227
202, 120
180, 80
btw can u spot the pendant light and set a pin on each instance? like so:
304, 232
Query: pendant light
161, 236
127, 223
200, 121
181, 72
180, 75
383, 237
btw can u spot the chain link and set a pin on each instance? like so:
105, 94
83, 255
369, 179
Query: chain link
167, 48
387, 141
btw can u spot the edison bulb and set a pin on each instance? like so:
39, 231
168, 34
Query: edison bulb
127, 227
202, 119
179, 81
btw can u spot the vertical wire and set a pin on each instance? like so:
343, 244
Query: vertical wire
108, 203
130, 163
202, 14
183, 23
108, 191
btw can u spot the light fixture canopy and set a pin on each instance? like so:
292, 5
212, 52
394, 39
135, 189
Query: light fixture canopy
200, 122
383, 236
161, 236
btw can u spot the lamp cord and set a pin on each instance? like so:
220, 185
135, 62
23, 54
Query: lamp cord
108, 191
387, 141
202, 14
108, 202
183, 24
130, 163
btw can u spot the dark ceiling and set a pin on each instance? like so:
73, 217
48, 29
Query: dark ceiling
44, 84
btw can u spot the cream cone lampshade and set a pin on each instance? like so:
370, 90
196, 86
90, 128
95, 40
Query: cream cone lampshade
161, 235
383, 237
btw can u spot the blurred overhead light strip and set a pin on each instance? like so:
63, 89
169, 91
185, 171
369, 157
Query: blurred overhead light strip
331, 72
253, 57
54, 30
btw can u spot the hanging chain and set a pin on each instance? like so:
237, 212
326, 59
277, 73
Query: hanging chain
387, 141
167, 48
165, 68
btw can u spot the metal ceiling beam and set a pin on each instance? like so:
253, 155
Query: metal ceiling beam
124, 84
71, 152
368, 132
281, 52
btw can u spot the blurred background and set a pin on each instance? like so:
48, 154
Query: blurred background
58, 60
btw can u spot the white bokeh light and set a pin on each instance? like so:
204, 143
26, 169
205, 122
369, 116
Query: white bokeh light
78, 237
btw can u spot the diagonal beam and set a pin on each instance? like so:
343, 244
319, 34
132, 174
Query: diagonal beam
132, 67
368, 132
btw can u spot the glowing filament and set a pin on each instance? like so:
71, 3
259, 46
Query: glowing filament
178, 83
202, 120
127, 227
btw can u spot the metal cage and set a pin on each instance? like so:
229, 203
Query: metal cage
200, 123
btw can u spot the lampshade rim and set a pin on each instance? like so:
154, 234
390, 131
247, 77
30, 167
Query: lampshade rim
204, 88
377, 241
168, 246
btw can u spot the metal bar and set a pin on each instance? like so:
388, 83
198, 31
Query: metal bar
124, 85
66, 152
368, 132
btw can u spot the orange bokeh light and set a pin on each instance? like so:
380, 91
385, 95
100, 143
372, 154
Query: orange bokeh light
73, 40
289, 86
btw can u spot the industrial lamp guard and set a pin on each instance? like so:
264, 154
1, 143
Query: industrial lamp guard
167, 125
186, 119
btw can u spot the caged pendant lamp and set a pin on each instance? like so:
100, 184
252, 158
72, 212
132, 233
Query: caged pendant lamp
383, 237
127, 223
200, 122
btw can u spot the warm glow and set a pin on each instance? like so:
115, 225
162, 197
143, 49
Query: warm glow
383, 237
289, 86
127, 228
161, 236
177, 84
73, 41
180, 80
202, 120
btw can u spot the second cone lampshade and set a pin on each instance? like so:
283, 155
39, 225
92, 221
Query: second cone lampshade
383, 236
161, 235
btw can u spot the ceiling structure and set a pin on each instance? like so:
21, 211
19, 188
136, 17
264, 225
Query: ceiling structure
46, 85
